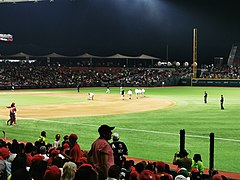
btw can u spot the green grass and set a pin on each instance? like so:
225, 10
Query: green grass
152, 135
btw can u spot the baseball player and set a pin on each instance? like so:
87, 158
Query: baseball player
12, 114
108, 90
121, 88
12, 87
91, 95
122, 94
129, 94
136, 92
143, 92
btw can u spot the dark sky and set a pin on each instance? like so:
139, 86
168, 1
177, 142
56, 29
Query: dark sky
129, 27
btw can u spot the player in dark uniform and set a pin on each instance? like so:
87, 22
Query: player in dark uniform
221, 102
119, 150
78, 87
205, 97
122, 93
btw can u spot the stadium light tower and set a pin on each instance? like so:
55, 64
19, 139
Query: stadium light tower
194, 53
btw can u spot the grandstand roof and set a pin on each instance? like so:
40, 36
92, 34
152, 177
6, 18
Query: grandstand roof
86, 55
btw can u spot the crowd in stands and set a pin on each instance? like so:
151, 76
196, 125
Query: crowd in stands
225, 72
64, 160
37, 76
32, 74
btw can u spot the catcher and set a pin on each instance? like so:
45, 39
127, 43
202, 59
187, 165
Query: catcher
12, 114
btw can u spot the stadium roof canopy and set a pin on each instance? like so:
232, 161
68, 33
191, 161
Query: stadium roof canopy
20, 1
86, 55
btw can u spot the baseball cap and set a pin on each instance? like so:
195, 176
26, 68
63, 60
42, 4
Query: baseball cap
55, 152
37, 158
73, 136
65, 146
160, 166
115, 136
4, 152
181, 177
105, 128
52, 173
183, 172
134, 174
147, 175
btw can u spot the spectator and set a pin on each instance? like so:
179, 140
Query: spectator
140, 166
42, 138
182, 161
5, 153
65, 140
20, 174
86, 172
42, 152
37, 168
147, 175
75, 153
160, 166
101, 152
182, 174
197, 163
52, 173
134, 175
126, 169
19, 166
28, 151
69, 170
3, 173
119, 150
114, 172
56, 143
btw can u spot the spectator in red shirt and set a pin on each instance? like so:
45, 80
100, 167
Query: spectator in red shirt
75, 154
101, 153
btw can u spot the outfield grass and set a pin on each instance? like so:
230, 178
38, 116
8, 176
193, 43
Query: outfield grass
152, 135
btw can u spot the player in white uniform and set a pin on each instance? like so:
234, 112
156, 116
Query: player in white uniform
143, 92
121, 88
129, 94
91, 95
136, 92
108, 90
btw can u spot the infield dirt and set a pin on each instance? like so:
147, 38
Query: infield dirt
103, 104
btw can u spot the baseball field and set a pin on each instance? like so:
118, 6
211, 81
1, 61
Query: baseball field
148, 125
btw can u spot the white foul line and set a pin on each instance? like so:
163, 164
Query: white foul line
135, 130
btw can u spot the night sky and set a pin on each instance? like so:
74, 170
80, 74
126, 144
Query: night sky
128, 27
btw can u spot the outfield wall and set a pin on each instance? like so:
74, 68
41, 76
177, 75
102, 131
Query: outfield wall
173, 81
210, 82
